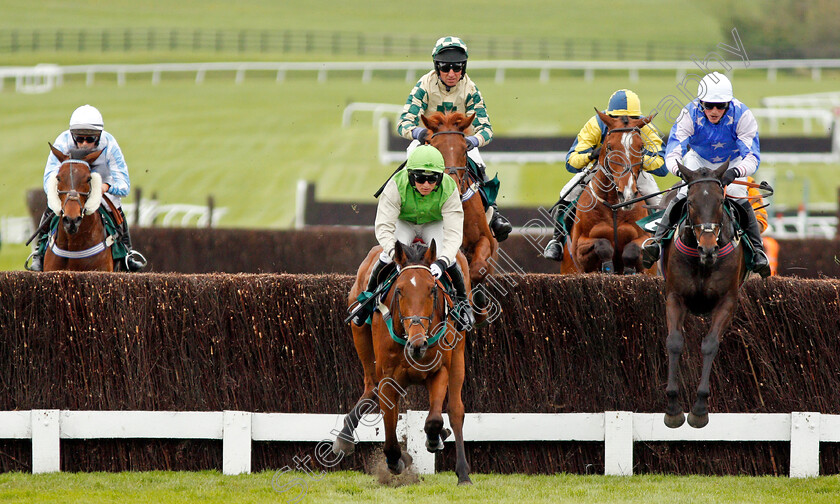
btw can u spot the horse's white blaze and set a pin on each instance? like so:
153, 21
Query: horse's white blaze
413, 282
627, 143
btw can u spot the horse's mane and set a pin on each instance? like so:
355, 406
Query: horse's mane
414, 253
79, 153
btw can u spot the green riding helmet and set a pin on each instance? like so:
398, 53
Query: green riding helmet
425, 160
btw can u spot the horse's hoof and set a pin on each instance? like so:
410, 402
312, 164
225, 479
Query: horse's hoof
674, 421
464, 482
629, 271
607, 267
343, 446
398, 468
434, 448
698, 421
445, 433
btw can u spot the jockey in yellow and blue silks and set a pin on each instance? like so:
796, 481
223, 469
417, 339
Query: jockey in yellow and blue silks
448, 88
584, 152
420, 201
714, 129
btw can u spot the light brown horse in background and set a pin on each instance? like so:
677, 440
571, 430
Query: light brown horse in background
447, 133
396, 352
605, 238
74, 195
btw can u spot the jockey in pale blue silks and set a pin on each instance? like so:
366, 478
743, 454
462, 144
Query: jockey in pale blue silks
711, 130
87, 131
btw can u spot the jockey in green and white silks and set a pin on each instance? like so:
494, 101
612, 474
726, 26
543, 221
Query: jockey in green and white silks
87, 131
448, 88
584, 153
714, 129
420, 201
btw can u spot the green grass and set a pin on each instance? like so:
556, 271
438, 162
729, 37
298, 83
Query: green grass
350, 487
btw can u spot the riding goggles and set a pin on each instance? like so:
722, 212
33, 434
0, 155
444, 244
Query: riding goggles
715, 105
422, 178
84, 138
446, 67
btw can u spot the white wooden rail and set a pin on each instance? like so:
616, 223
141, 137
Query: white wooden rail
44, 77
618, 430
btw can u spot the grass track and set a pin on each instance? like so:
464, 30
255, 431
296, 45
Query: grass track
350, 487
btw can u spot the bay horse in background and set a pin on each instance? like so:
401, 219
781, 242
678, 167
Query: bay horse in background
74, 194
447, 133
704, 268
605, 238
413, 345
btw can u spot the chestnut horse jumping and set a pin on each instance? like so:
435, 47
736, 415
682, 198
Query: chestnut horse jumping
704, 268
413, 345
448, 135
605, 237
80, 242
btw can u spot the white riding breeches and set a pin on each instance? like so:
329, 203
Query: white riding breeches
406, 232
645, 183
693, 162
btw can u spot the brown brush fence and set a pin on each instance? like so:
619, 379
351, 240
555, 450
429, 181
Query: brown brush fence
340, 250
276, 343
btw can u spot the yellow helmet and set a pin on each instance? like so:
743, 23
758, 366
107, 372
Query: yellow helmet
624, 103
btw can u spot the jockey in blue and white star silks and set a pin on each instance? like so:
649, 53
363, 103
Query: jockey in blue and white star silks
711, 130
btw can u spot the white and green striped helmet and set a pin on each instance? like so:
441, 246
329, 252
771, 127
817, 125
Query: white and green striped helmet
450, 50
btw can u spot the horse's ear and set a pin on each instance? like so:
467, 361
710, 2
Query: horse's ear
62, 157
687, 174
431, 254
426, 121
604, 117
90, 158
399, 254
648, 119
468, 122
721, 169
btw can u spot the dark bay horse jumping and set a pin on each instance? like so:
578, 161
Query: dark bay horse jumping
704, 268
604, 238
80, 242
447, 134
412, 345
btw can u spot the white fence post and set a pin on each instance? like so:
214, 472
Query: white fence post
618, 443
415, 442
804, 444
236, 443
46, 445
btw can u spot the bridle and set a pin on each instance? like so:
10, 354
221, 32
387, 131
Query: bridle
415, 319
704, 227
625, 167
463, 181
73, 194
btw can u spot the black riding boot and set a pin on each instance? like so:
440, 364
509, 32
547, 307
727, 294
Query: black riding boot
651, 247
362, 315
554, 248
498, 223
37, 256
466, 319
134, 261
753, 232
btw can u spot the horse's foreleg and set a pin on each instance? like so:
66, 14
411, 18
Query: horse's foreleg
345, 441
721, 318
456, 413
595, 254
675, 314
480, 266
390, 405
436, 384
631, 256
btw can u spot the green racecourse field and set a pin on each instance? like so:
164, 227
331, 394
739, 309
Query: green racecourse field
349, 487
